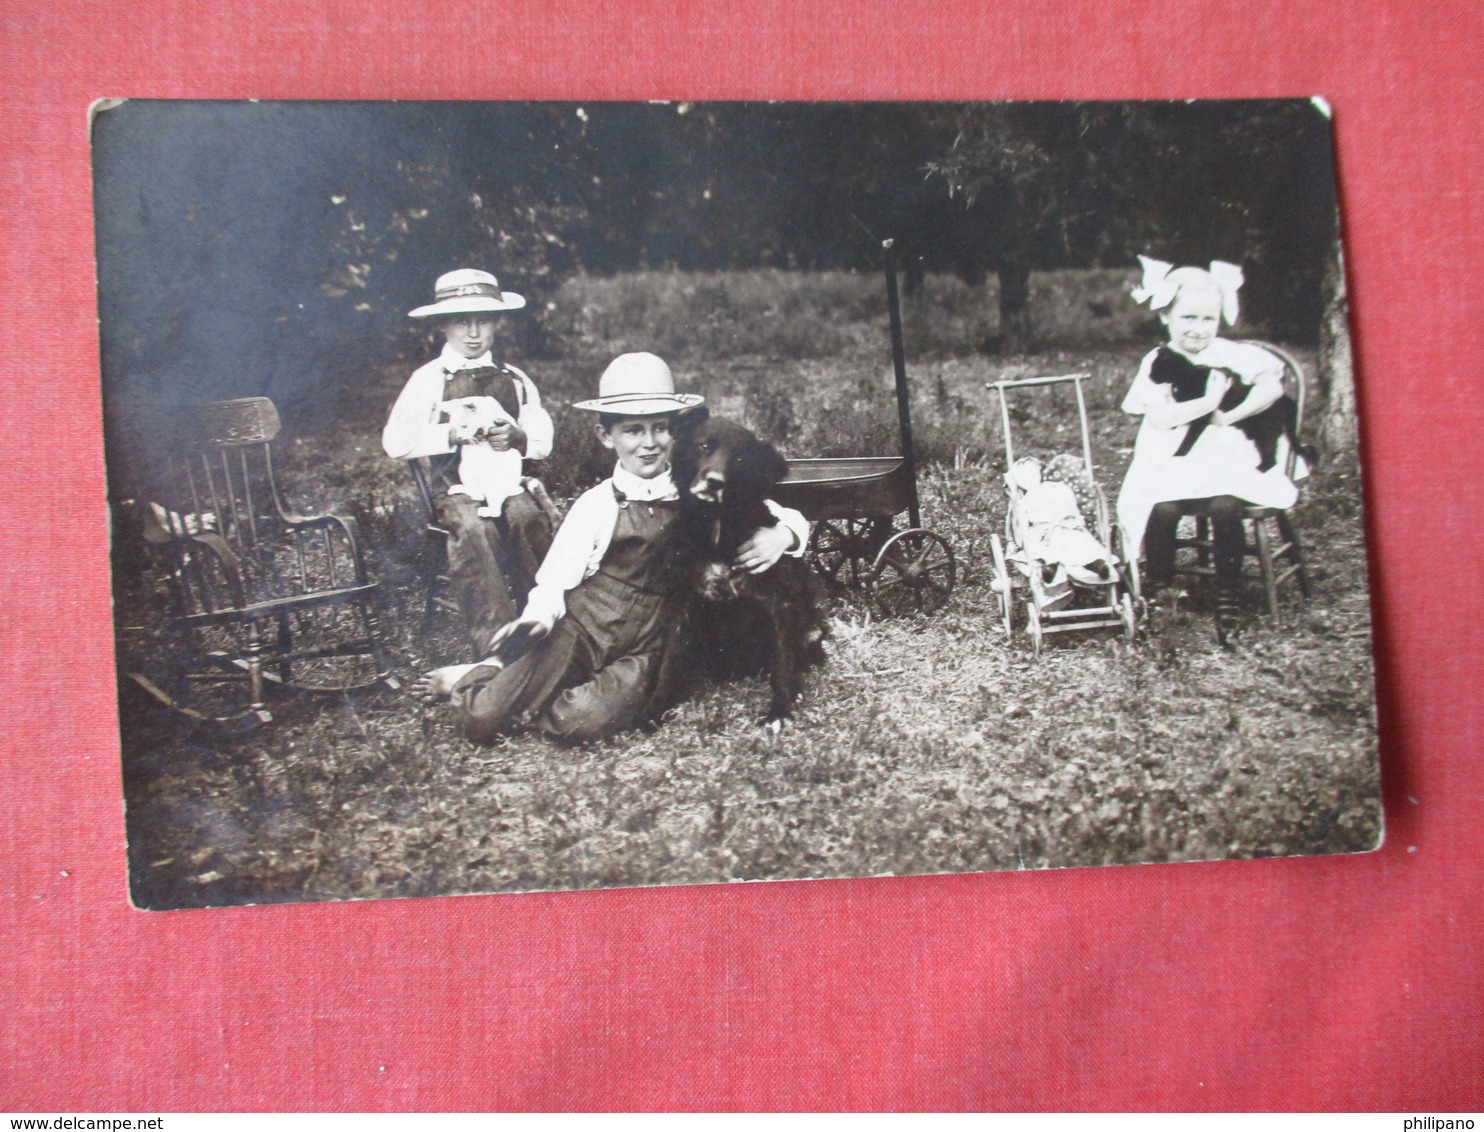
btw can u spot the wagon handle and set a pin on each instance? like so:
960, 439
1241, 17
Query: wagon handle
899, 364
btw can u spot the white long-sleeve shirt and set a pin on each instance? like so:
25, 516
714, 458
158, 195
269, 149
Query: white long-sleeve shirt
415, 426
582, 540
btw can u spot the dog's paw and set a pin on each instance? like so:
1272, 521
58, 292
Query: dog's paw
776, 721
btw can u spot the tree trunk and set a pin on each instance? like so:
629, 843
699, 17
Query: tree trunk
1338, 437
1015, 305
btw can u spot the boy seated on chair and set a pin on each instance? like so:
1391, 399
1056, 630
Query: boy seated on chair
490, 414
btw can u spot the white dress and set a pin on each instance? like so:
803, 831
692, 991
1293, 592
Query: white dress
1223, 461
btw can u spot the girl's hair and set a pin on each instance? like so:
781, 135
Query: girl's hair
1194, 279
1163, 282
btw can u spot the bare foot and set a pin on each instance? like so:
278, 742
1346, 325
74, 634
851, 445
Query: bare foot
438, 684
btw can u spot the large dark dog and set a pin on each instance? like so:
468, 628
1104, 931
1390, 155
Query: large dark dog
734, 622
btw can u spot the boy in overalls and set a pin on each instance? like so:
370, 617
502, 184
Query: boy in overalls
596, 621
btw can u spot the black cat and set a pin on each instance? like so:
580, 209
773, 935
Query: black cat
1187, 381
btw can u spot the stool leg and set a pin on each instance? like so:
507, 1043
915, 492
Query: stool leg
1265, 563
1295, 551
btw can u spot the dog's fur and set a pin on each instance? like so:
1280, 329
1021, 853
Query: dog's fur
736, 623
1187, 381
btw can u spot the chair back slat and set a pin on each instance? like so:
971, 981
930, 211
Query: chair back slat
250, 505
300, 559
222, 516
234, 521
177, 519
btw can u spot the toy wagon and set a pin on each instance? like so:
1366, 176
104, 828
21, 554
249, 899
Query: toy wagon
854, 502
1060, 598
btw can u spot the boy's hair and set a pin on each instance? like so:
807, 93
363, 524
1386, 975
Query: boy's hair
607, 421
443, 320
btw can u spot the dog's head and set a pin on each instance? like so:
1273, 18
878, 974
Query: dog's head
718, 462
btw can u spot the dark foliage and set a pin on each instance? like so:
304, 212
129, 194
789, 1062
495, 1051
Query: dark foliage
275, 248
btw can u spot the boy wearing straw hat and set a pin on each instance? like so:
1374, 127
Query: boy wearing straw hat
594, 627
490, 413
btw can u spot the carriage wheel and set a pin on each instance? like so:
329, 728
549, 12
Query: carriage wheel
1003, 584
913, 573
843, 549
1128, 568
1129, 618
1033, 616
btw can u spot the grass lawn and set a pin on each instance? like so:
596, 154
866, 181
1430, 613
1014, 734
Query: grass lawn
924, 745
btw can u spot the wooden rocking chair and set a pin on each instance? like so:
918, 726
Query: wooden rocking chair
256, 593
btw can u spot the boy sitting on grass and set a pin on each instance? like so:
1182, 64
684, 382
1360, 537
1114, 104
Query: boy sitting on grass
582, 661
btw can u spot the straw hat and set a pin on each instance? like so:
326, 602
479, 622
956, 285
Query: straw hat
467, 291
639, 385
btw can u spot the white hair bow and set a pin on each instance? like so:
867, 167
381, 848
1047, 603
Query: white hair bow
1229, 278
1158, 288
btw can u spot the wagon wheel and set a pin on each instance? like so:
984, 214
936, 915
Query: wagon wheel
1128, 568
1003, 584
913, 573
843, 549
1033, 616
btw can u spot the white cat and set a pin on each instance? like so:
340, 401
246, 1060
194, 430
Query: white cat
485, 474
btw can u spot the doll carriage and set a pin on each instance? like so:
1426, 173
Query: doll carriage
853, 503
1059, 598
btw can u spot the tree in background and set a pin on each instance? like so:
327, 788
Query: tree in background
275, 248
1081, 184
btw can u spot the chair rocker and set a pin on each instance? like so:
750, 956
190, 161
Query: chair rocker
257, 594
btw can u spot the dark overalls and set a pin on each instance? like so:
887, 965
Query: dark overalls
595, 672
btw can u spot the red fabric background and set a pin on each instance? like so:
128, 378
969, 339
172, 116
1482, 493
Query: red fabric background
1352, 983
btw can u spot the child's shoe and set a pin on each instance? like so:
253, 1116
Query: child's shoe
1228, 611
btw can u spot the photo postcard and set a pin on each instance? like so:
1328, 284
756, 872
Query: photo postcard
551, 496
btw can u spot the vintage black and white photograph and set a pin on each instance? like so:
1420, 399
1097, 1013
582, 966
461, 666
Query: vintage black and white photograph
546, 496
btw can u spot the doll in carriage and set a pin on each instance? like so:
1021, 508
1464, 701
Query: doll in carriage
1053, 535
1060, 547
